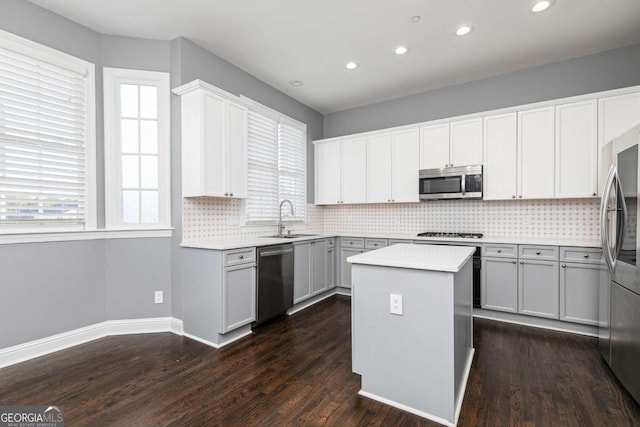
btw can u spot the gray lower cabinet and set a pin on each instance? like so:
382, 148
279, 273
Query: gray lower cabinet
579, 288
538, 288
499, 284
331, 267
318, 260
238, 296
218, 292
301, 272
309, 269
345, 267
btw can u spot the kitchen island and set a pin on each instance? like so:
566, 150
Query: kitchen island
412, 327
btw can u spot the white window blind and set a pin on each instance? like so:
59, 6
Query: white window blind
43, 137
262, 202
291, 165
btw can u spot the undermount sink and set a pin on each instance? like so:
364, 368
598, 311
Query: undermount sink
290, 236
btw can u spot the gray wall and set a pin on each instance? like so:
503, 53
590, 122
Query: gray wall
49, 288
603, 71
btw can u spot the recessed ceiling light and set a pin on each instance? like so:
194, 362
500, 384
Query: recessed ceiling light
401, 50
295, 83
541, 5
415, 19
463, 30
351, 65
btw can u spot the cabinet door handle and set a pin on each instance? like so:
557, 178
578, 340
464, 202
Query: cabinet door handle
513, 262
513, 197
586, 255
351, 243
375, 244
520, 196
521, 262
231, 194
564, 265
389, 200
241, 257
226, 194
499, 250
594, 194
537, 252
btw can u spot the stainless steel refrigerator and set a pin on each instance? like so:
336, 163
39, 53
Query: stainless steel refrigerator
619, 322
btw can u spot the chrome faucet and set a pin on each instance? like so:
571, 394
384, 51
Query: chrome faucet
280, 225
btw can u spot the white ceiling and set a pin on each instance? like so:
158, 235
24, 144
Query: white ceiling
282, 40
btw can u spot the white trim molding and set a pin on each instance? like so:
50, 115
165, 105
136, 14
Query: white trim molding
70, 235
41, 347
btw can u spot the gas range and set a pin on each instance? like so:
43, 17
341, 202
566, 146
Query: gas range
451, 235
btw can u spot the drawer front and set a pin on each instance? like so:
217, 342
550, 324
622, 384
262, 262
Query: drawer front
352, 242
399, 241
584, 255
499, 250
239, 256
375, 243
550, 253
331, 242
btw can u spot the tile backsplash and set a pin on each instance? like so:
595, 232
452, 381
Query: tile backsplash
559, 218
210, 218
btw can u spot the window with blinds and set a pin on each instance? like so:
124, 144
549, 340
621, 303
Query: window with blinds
276, 170
43, 140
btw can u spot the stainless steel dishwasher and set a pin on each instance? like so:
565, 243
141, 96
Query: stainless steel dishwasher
275, 281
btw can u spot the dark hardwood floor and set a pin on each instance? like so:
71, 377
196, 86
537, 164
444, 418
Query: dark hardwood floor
297, 371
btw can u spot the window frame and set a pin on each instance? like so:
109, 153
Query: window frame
112, 78
55, 57
279, 118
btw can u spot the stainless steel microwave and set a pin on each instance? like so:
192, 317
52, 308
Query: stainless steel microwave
460, 182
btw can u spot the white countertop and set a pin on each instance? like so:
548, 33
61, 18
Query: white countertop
257, 241
419, 257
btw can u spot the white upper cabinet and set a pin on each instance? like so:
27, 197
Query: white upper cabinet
451, 144
406, 167
214, 142
379, 168
465, 143
500, 157
328, 158
616, 115
392, 167
577, 149
434, 146
341, 171
354, 170
536, 153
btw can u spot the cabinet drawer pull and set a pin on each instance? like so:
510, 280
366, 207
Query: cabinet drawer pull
564, 265
231, 194
586, 255
226, 194
537, 252
594, 194
375, 244
351, 243
241, 257
499, 250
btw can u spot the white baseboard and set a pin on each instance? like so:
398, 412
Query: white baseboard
308, 303
406, 408
537, 322
43, 346
467, 372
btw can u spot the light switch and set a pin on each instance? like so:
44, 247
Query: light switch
396, 304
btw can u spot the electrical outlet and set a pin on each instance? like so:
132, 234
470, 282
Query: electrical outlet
396, 304
159, 297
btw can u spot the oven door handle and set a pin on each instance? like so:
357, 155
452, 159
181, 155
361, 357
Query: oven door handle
463, 184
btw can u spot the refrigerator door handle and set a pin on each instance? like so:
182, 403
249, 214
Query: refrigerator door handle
621, 226
604, 218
